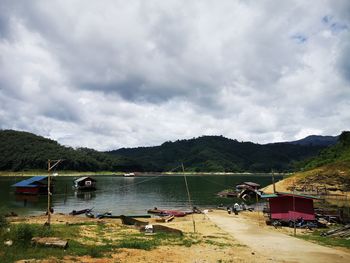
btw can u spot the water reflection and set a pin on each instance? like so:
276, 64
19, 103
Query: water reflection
85, 195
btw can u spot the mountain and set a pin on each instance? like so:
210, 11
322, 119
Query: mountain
317, 140
219, 154
330, 169
21, 151
25, 151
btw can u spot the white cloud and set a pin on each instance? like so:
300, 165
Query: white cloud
115, 74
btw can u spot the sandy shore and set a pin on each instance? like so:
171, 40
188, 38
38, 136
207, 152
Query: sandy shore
223, 238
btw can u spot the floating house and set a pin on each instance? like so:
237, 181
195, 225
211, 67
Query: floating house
84, 183
248, 185
287, 207
35, 185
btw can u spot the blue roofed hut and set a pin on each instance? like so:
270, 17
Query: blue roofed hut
35, 185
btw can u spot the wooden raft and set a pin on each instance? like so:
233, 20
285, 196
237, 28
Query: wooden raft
50, 242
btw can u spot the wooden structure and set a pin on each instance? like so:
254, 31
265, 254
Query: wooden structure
33, 186
287, 207
50, 242
85, 183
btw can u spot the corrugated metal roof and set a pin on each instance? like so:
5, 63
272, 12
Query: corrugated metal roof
287, 194
268, 195
83, 178
30, 182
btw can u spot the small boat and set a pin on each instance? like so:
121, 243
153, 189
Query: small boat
109, 215
79, 212
162, 212
131, 221
89, 214
129, 175
165, 219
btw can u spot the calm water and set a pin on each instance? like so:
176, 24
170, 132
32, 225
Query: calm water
126, 195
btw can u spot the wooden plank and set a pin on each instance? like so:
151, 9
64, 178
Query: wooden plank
50, 242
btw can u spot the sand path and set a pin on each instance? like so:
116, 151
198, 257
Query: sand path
278, 247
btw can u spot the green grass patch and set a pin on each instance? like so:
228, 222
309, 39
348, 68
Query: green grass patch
326, 241
106, 241
217, 244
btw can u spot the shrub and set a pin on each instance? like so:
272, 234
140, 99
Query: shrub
3, 222
22, 233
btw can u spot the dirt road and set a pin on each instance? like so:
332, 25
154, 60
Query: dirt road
278, 247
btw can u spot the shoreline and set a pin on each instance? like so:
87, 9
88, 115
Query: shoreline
219, 237
138, 174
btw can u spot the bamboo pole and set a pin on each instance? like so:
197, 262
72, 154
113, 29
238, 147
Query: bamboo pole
189, 198
48, 192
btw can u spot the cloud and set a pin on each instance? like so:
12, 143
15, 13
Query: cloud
116, 74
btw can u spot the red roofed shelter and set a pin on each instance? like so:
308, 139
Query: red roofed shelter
288, 207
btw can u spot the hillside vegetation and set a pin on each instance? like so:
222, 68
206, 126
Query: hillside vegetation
20, 151
219, 154
330, 169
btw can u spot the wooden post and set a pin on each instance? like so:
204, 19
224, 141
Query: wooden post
48, 193
295, 227
189, 197
49, 168
273, 182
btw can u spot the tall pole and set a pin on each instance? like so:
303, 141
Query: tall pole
295, 227
49, 168
189, 198
48, 192
273, 182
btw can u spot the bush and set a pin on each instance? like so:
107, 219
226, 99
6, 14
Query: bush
3, 222
22, 233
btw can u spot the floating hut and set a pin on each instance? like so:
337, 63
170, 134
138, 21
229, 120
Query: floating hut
35, 185
85, 183
287, 207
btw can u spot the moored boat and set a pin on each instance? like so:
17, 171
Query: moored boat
79, 212
129, 174
176, 213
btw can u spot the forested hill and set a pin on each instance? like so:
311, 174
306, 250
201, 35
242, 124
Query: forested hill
219, 154
330, 168
336, 154
25, 151
21, 151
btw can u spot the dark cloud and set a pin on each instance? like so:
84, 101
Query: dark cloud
114, 74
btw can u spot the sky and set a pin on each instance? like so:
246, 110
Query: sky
110, 74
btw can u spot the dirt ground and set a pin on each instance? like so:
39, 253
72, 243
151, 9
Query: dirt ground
216, 245
246, 238
277, 244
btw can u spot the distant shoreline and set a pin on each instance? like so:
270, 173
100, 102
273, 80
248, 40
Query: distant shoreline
76, 173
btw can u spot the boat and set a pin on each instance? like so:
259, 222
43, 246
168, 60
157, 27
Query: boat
129, 174
162, 212
165, 219
126, 220
79, 212
109, 215
84, 183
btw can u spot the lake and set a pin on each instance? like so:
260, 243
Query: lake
127, 195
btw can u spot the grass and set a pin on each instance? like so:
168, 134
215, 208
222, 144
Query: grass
326, 241
97, 240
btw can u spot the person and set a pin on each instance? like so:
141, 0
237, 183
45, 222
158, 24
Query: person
228, 210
